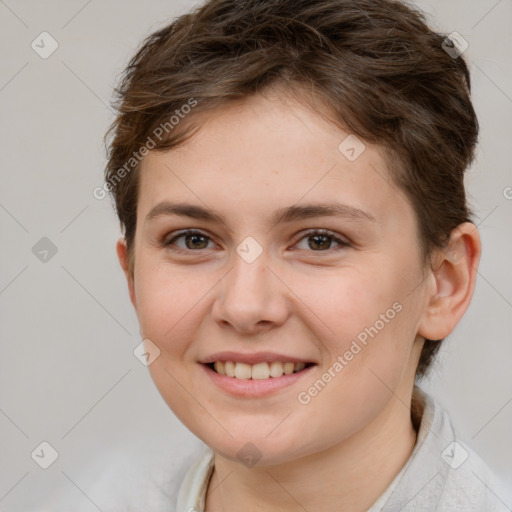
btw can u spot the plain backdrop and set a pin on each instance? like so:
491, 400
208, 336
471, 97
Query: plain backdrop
68, 375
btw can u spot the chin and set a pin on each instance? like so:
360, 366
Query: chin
255, 448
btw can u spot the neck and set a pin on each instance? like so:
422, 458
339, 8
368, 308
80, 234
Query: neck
349, 476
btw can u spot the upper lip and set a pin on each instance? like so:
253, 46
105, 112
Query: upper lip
254, 358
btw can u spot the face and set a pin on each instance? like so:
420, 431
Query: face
267, 276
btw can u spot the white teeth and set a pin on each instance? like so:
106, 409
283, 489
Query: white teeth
276, 369
219, 367
259, 371
229, 368
242, 371
299, 366
288, 368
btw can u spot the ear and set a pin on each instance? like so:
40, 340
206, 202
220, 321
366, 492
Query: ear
454, 275
122, 254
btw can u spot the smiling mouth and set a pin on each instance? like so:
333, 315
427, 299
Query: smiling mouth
259, 371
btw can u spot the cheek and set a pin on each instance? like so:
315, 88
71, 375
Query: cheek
166, 301
371, 327
169, 307
351, 303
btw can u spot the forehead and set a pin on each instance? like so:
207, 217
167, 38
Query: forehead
261, 154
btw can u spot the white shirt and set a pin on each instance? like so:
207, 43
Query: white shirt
442, 473
169, 482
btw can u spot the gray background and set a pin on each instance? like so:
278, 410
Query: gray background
67, 372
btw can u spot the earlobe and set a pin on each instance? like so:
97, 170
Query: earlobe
122, 254
454, 275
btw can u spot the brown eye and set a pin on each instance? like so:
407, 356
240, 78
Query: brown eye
321, 241
193, 240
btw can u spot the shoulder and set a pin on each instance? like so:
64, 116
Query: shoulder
142, 477
471, 485
443, 473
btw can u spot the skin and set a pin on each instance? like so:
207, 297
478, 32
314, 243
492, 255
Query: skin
342, 449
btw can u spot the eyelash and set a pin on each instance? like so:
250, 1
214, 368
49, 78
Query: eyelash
310, 233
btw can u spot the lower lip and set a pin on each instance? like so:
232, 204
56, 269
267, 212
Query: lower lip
250, 388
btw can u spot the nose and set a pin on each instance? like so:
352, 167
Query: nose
251, 298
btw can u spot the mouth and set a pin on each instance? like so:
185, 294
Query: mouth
258, 380
258, 371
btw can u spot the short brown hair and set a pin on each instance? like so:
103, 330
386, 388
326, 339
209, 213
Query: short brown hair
377, 67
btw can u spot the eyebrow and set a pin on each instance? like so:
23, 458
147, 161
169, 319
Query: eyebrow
283, 215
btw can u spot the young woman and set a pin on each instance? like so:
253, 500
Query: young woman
288, 175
